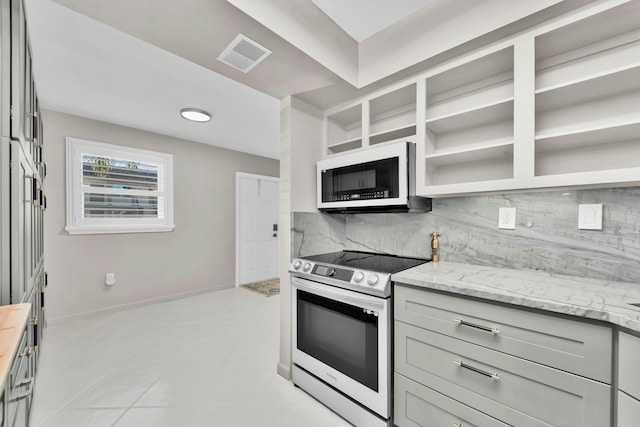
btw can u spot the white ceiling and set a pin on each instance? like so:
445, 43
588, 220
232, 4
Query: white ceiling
138, 63
363, 18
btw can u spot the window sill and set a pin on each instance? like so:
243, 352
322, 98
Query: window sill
117, 229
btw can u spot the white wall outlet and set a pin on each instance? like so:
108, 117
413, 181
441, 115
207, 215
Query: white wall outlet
507, 218
111, 279
590, 217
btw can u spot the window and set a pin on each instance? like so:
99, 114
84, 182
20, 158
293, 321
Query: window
114, 189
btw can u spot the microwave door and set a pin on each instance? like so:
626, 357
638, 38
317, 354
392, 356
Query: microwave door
366, 181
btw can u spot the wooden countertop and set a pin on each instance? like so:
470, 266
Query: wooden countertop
13, 319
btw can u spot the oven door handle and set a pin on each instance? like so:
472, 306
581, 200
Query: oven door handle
337, 294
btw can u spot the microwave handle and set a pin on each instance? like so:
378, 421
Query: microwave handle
337, 294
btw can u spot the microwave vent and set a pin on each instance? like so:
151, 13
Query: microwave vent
243, 54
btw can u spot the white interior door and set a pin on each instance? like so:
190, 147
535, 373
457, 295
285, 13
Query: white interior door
256, 229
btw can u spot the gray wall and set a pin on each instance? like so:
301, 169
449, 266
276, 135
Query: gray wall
198, 255
546, 235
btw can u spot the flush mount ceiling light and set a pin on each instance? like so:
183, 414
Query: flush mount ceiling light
195, 114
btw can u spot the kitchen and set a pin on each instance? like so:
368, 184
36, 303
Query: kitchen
546, 236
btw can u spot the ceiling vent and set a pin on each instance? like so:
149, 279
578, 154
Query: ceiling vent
243, 54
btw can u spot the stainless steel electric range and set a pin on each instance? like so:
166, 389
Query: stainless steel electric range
341, 331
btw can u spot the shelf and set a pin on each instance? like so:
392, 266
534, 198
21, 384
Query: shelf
502, 150
469, 124
588, 137
497, 91
585, 91
403, 99
342, 146
498, 111
393, 115
477, 170
392, 134
586, 37
593, 66
619, 111
607, 156
469, 77
344, 128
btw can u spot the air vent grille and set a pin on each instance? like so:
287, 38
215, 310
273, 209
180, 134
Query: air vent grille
243, 54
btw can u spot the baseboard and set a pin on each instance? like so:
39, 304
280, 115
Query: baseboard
284, 371
128, 306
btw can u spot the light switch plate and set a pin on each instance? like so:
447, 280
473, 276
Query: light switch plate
590, 217
507, 218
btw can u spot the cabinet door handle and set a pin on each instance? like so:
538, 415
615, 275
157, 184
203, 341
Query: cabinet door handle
34, 190
27, 353
493, 376
494, 330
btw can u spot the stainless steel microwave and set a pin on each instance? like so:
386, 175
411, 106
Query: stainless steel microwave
380, 179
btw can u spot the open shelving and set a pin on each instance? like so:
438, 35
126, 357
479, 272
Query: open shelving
469, 121
344, 130
392, 116
587, 95
558, 104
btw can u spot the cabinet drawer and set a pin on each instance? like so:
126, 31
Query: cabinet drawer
419, 406
573, 346
523, 393
628, 410
628, 369
19, 362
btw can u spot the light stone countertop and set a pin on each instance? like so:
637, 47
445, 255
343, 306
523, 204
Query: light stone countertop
573, 295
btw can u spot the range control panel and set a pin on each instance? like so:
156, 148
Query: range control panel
360, 280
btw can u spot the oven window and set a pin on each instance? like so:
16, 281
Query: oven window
370, 180
339, 335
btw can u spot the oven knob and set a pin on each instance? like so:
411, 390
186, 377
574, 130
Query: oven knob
307, 266
373, 279
296, 265
358, 276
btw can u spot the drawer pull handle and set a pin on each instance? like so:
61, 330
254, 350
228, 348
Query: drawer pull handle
494, 331
493, 376
24, 382
27, 393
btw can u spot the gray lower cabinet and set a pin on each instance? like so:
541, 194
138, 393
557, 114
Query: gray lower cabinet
469, 362
628, 380
19, 386
417, 405
22, 205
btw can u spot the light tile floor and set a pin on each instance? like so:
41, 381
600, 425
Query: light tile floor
208, 360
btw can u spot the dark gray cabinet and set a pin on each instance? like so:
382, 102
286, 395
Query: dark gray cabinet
22, 201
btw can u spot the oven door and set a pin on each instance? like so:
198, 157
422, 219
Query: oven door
343, 338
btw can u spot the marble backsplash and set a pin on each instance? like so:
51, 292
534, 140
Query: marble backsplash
546, 237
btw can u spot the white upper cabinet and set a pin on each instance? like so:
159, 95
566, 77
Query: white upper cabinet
557, 105
588, 98
343, 130
469, 123
392, 116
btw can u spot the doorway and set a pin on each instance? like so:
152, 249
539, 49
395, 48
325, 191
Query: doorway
256, 228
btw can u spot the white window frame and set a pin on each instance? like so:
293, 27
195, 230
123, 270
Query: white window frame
78, 225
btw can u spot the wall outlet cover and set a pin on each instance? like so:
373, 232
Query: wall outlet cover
590, 217
507, 218
111, 279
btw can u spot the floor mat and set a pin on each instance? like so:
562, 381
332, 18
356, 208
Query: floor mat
265, 287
